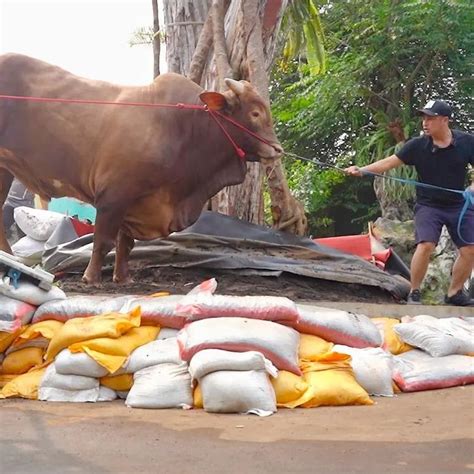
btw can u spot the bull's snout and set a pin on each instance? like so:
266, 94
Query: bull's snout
278, 149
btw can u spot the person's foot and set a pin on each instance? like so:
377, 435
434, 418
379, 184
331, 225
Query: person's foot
459, 299
414, 297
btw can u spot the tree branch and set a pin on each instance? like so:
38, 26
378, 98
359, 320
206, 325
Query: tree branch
220, 50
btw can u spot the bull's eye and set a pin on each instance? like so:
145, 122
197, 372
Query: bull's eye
255, 114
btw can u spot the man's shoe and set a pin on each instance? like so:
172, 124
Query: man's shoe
414, 297
459, 299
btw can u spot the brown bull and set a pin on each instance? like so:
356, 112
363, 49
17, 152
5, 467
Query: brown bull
147, 171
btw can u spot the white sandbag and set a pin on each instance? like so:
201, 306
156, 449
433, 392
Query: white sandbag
52, 379
106, 394
79, 307
68, 363
28, 250
14, 314
51, 394
38, 224
269, 308
161, 386
159, 311
155, 352
340, 327
372, 368
167, 333
437, 337
212, 360
277, 343
29, 292
238, 392
39, 341
415, 371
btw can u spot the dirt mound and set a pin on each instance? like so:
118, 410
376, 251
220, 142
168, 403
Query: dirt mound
178, 281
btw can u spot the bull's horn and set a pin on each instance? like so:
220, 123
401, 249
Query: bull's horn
235, 86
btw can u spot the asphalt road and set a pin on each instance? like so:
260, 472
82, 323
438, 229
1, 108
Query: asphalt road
421, 432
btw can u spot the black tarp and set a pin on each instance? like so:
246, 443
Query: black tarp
217, 241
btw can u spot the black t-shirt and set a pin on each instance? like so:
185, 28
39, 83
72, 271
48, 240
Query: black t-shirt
445, 167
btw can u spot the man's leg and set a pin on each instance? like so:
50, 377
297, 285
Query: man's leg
420, 262
462, 269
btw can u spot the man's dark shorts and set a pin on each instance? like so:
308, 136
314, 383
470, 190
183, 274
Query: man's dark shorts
429, 222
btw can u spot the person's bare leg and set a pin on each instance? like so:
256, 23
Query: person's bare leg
420, 262
462, 269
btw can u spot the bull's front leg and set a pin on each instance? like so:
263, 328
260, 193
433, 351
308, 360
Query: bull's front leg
107, 225
124, 246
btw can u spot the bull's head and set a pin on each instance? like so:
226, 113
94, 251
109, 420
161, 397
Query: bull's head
243, 103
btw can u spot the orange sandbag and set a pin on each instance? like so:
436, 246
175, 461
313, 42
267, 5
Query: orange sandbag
24, 386
21, 361
391, 340
121, 383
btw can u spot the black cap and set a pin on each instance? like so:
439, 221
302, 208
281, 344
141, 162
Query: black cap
436, 108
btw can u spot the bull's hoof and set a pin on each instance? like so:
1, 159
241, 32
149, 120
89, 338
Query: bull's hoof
92, 280
120, 280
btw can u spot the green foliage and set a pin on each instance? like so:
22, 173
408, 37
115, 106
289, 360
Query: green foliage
303, 36
385, 59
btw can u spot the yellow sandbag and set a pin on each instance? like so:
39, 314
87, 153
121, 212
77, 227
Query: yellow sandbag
5, 378
110, 325
313, 346
122, 383
6, 338
288, 388
24, 386
21, 361
112, 353
331, 383
197, 397
46, 329
392, 341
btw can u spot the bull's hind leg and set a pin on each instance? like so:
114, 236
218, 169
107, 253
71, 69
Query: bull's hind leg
6, 179
125, 244
107, 225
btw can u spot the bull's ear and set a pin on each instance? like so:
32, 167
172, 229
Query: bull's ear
214, 100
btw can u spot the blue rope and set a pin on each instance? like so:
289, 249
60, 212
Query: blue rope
466, 194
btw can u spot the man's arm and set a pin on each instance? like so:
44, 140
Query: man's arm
379, 167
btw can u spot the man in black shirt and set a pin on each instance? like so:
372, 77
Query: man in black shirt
441, 157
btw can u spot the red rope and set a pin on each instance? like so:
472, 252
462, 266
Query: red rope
213, 113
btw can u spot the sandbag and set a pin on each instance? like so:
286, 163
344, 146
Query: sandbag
52, 379
331, 382
39, 224
277, 343
340, 327
270, 308
24, 386
197, 397
20, 362
391, 341
29, 251
416, 370
238, 392
29, 292
156, 352
438, 337
313, 346
161, 386
106, 394
5, 378
112, 353
14, 314
159, 311
288, 387
167, 333
372, 369
212, 360
121, 383
6, 338
79, 307
79, 363
111, 325
35, 335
